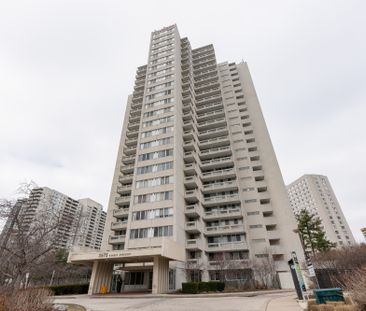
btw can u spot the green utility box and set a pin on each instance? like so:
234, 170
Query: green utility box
328, 294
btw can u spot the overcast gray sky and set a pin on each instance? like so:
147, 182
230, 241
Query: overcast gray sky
67, 67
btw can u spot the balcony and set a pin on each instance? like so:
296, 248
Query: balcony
193, 226
129, 151
189, 145
192, 210
190, 156
132, 142
226, 246
121, 201
215, 152
120, 213
228, 229
127, 169
133, 126
128, 159
126, 179
125, 189
188, 134
220, 131
219, 122
192, 182
190, 168
209, 107
223, 214
277, 250
222, 199
188, 124
192, 196
221, 186
211, 114
116, 239
268, 221
225, 173
214, 142
194, 244
119, 225
273, 235
132, 134
217, 163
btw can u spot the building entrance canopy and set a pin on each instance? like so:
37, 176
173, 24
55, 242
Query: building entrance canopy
168, 249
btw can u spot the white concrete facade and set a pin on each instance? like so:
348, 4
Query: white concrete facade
195, 166
91, 224
315, 193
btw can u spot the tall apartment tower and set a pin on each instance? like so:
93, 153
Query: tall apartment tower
315, 193
81, 223
196, 177
91, 224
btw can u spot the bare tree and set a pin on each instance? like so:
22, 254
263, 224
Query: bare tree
264, 269
29, 236
193, 270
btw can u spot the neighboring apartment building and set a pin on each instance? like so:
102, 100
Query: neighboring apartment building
91, 224
315, 193
363, 230
81, 223
196, 176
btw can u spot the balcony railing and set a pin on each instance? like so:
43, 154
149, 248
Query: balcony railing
194, 244
123, 200
238, 228
224, 213
120, 212
116, 239
224, 246
221, 199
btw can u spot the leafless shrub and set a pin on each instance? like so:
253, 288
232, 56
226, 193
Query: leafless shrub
26, 300
356, 285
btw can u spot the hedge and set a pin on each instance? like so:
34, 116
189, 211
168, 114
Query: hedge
199, 287
70, 289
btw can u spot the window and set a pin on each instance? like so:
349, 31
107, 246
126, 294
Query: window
155, 168
155, 143
153, 214
152, 232
155, 155
154, 197
135, 278
158, 112
152, 182
163, 130
160, 102
158, 121
255, 226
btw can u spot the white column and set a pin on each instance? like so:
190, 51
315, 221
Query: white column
160, 275
101, 276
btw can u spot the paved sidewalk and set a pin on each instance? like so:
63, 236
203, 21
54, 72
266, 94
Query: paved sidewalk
287, 303
252, 301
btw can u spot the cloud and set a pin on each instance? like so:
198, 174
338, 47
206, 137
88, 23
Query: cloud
67, 69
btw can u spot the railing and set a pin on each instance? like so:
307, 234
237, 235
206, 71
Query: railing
211, 121
221, 213
194, 243
120, 212
235, 228
227, 197
216, 139
227, 245
218, 129
219, 184
219, 172
215, 149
